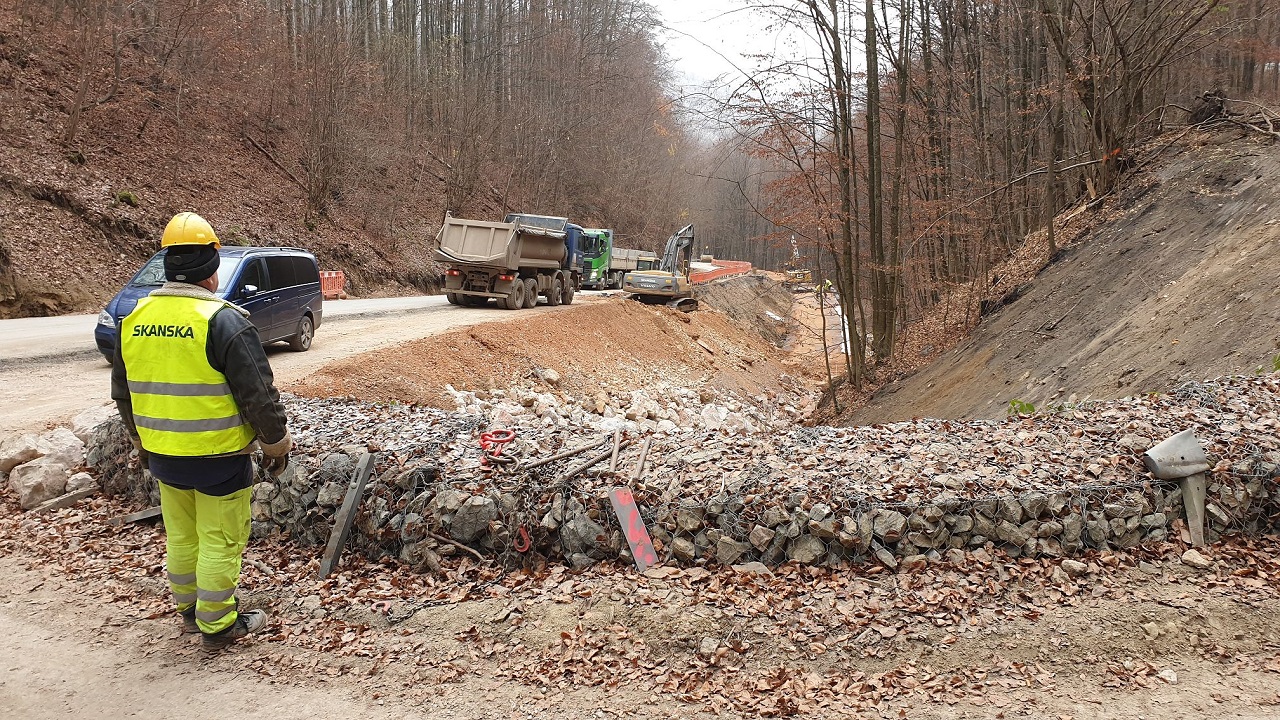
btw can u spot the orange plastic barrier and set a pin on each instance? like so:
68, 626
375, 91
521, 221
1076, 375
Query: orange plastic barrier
725, 268
331, 282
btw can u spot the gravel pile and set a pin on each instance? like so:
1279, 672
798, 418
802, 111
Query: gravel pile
660, 408
736, 487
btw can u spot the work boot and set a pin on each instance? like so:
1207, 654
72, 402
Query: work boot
189, 626
246, 622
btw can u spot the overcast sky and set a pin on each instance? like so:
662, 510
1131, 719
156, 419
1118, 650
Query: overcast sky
706, 38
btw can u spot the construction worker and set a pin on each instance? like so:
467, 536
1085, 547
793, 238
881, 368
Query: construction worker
196, 393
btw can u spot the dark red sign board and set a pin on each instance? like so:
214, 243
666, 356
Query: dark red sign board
624, 506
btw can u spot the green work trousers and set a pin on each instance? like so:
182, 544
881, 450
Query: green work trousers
207, 535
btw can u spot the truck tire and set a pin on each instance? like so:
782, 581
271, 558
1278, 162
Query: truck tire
615, 281
530, 292
451, 297
514, 299
566, 295
554, 294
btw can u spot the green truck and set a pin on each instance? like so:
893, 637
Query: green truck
603, 265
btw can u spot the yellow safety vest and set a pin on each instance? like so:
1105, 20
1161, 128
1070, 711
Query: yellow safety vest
181, 404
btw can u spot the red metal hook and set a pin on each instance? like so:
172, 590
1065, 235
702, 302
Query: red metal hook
523, 542
491, 443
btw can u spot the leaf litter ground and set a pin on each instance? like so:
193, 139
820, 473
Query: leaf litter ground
989, 637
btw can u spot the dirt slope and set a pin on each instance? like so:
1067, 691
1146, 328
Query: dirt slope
77, 219
1177, 279
613, 345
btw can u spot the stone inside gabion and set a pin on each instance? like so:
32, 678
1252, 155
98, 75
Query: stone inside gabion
1055, 485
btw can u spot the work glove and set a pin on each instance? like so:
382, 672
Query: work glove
144, 457
275, 465
275, 456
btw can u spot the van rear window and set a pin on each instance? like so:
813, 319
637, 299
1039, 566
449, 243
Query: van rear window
305, 270
281, 272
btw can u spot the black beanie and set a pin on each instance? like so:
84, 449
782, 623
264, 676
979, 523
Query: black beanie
190, 263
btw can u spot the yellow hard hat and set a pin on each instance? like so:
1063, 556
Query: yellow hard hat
188, 228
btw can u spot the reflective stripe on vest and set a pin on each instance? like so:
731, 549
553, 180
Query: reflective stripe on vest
181, 404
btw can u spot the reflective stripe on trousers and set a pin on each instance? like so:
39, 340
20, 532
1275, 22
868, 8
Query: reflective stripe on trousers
206, 537
183, 587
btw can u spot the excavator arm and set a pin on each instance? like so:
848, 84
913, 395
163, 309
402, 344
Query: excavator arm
669, 283
679, 245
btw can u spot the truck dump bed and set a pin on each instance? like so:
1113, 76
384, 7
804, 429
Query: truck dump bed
510, 245
624, 259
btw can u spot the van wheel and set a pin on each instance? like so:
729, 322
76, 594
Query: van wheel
530, 293
557, 289
306, 331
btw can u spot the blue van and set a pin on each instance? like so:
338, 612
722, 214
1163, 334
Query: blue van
279, 286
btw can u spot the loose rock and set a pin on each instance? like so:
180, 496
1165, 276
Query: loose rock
37, 481
80, 481
1075, 568
1193, 558
753, 568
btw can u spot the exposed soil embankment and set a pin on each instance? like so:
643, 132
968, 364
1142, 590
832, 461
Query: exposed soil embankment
1174, 281
614, 346
755, 302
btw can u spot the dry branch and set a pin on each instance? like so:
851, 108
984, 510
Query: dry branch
455, 543
275, 162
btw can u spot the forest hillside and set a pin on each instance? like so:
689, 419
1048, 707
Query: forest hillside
285, 125
915, 151
1173, 279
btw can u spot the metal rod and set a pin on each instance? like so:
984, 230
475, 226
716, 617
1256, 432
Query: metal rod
597, 459
613, 461
558, 456
644, 455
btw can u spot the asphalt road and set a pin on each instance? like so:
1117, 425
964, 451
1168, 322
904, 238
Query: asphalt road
50, 337
50, 369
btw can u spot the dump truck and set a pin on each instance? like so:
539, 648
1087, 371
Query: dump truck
603, 265
516, 262
669, 283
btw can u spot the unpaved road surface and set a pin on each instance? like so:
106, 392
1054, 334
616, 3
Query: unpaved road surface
50, 369
67, 659
64, 335
87, 633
